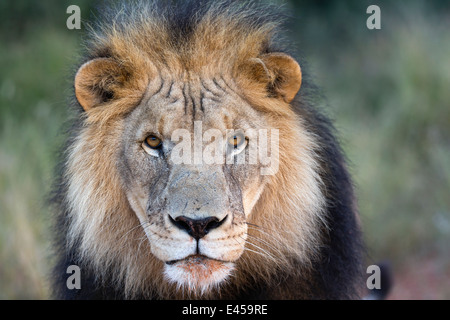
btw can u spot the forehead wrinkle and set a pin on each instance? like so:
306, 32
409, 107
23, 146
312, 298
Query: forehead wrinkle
161, 123
156, 111
216, 104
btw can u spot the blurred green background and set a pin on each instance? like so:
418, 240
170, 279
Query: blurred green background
388, 91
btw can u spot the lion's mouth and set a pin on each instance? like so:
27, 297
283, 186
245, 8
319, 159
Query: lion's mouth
198, 272
194, 259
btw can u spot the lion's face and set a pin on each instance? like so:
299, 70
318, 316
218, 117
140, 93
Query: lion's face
191, 199
191, 170
199, 159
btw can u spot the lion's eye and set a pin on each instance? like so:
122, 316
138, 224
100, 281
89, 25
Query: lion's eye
237, 142
153, 142
152, 145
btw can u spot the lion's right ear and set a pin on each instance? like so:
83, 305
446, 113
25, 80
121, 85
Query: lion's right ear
276, 74
97, 81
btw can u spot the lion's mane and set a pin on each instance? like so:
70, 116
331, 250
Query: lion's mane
312, 223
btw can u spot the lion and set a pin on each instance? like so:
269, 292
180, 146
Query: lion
144, 218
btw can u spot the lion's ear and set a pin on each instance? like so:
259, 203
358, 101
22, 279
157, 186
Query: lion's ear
279, 73
97, 81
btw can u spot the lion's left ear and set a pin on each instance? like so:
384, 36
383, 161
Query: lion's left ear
279, 73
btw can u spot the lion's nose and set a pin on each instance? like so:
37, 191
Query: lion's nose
197, 228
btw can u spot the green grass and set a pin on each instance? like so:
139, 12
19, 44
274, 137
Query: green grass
388, 91
33, 87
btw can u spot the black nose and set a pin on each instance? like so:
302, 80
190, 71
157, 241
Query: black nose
197, 228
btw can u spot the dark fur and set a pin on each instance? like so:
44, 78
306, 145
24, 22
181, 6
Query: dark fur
337, 275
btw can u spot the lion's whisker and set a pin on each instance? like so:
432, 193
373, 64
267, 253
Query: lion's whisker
268, 244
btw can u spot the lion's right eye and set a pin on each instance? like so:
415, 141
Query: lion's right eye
152, 145
153, 142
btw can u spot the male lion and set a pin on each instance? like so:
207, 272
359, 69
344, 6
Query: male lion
149, 204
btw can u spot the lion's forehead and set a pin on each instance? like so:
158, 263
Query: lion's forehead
172, 103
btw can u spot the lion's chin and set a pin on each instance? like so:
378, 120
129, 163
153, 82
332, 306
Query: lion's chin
198, 273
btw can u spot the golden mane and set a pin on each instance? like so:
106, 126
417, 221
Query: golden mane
147, 42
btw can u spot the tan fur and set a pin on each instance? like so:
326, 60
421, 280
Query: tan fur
286, 209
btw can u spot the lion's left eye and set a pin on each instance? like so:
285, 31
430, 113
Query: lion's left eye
237, 142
